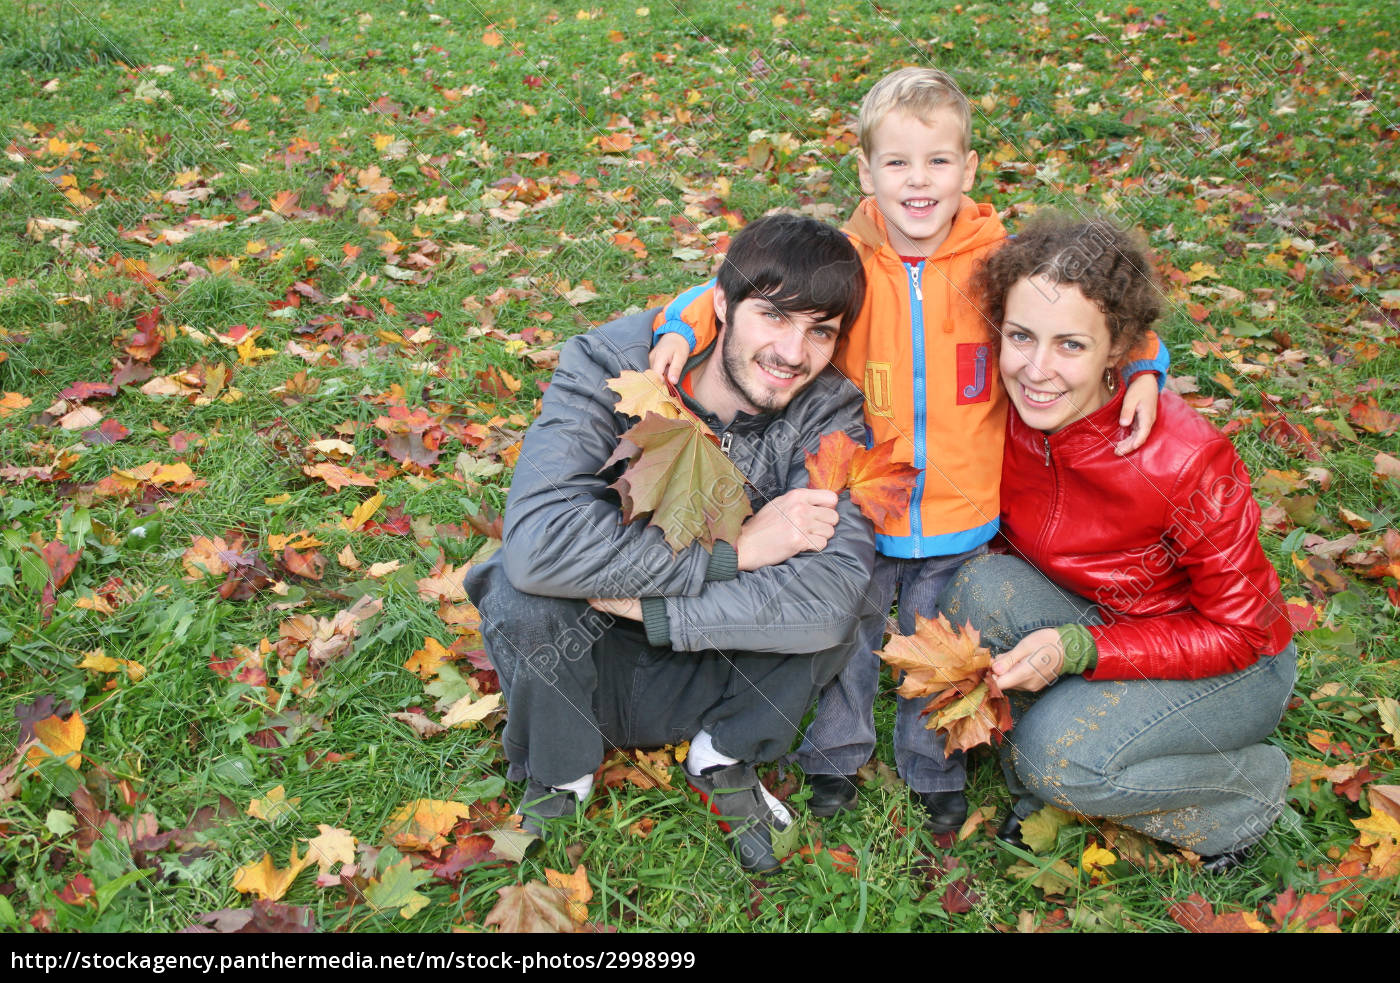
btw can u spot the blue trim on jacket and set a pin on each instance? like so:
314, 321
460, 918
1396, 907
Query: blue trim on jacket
673, 322
947, 544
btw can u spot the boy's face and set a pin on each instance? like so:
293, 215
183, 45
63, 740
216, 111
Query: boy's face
918, 173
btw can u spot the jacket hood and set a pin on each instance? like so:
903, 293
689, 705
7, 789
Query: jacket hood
976, 226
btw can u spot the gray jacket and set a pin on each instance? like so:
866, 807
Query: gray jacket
564, 535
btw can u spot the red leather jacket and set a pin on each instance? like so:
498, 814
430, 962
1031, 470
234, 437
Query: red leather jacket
1165, 540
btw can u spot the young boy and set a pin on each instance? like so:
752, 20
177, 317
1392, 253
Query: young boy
922, 355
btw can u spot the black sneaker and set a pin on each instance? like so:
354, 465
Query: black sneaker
831, 794
747, 812
1223, 863
945, 812
541, 808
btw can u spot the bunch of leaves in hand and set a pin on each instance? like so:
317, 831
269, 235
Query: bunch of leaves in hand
879, 486
676, 473
967, 705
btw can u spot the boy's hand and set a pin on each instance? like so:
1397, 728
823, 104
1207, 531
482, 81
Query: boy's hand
803, 519
622, 607
1140, 410
668, 357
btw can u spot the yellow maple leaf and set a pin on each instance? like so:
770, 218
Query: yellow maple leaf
423, 823
59, 738
363, 512
331, 847
640, 393
1096, 858
273, 806
100, 661
446, 583
468, 710
1381, 833
266, 880
577, 890
425, 661
12, 403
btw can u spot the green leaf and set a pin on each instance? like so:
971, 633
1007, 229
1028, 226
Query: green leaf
60, 823
398, 888
106, 892
1041, 829
449, 687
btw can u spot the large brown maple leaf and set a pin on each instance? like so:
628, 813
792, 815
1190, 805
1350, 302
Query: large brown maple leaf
967, 705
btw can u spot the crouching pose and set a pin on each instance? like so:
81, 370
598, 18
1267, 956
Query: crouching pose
603, 636
1136, 612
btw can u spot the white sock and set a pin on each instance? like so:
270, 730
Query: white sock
581, 787
702, 754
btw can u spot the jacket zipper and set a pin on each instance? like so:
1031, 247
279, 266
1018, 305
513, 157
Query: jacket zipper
1052, 514
726, 441
916, 330
1047, 449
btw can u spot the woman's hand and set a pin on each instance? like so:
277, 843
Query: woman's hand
1033, 664
1140, 410
668, 357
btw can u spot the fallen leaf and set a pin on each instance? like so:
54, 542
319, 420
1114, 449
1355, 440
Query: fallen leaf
425, 661
398, 888
423, 824
266, 880
338, 477
81, 418
274, 805
576, 889
531, 907
363, 512
511, 844
445, 583
1195, 914
331, 847
468, 711
1041, 829
58, 738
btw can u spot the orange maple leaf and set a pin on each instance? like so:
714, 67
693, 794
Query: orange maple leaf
879, 485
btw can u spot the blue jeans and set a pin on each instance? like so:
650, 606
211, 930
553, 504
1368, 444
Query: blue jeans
1182, 760
841, 738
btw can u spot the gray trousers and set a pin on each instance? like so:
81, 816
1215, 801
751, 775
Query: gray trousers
579, 682
1184, 760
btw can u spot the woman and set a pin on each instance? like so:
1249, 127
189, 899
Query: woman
1136, 613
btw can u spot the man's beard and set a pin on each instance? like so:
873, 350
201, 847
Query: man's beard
733, 364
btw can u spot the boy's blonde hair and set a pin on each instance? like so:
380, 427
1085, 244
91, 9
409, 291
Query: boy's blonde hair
918, 92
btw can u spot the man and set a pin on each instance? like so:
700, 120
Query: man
602, 635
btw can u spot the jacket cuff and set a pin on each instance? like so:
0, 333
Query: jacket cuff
1081, 653
658, 625
724, 562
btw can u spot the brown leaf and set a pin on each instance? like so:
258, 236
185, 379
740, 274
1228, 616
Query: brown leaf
146, 342
311, 566
1196, 915
682, 481
445, 583
830, 468
1311, 912
1386, 799
967, 705
577, 890
879, 487
338, 477
61, 561
531, 907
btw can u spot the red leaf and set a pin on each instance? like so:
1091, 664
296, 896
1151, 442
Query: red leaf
80, 391
879, 486
1196, 915
109, 432
61, 562
311, 565
147, 341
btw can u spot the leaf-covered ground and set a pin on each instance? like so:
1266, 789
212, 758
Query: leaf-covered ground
282, 282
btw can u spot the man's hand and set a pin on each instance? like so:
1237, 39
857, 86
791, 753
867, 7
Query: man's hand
621, 607
668, 357
800, 520
1033, 664
1139, 409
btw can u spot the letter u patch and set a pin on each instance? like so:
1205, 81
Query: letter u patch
974, 368
877, 389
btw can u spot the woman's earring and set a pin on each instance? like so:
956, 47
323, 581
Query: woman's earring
1110, 381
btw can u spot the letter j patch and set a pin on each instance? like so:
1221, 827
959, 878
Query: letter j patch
974, 368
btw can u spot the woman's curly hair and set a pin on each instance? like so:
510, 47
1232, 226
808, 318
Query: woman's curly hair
1108, 265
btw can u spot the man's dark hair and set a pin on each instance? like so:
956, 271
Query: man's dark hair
797, 264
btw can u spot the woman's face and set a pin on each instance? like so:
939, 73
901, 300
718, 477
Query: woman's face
1055, 347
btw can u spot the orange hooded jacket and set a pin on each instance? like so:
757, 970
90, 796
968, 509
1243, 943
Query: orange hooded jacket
923, 357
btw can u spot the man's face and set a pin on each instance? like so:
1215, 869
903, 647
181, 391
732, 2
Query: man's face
768, 356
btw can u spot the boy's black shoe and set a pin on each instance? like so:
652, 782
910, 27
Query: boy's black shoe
831, 794
734, 793
541, 808
1010, 832
946, 811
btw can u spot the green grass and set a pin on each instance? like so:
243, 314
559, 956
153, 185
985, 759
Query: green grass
1262, 149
